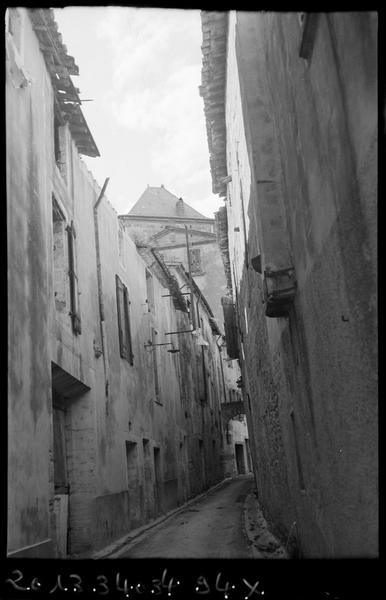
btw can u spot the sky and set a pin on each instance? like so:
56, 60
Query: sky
142, 67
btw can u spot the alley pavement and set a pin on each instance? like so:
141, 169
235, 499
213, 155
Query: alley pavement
224, 523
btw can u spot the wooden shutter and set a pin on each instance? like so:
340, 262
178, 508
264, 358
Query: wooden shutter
121, 317
195, 259
127, 323
230, 325
74, 294
124, 330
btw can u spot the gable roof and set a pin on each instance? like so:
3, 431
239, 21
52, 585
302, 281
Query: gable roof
159, 202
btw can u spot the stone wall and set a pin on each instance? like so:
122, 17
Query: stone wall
301, 147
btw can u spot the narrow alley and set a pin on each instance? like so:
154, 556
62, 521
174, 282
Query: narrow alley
191, 373
211, 527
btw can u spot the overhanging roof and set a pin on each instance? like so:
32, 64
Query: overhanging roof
212, 90
60, 66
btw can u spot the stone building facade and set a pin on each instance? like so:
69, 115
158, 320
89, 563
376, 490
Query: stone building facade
291, 107
106, 429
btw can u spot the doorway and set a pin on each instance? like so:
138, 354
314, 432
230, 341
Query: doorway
202, 463
148, 483
157, 481
240, 463
248, 451
132, 483
61, 486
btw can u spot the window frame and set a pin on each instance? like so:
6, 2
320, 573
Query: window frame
123, 318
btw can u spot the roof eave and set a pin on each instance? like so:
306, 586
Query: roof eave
60, 67
212, 90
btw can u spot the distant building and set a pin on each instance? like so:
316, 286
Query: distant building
291, 110
159, 218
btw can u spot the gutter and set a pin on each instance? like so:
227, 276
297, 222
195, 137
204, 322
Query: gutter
100, 288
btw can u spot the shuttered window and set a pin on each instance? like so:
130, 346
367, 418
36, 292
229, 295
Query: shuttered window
124, 332
195, 260
74, 292
230, 326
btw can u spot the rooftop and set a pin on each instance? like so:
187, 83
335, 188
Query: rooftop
60, 66
159, 202
212, 90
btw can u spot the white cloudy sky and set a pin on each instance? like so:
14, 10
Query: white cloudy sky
142, 68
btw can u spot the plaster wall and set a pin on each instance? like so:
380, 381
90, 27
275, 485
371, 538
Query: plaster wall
29, 175
115, 406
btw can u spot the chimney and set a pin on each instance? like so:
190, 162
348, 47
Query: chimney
180, 208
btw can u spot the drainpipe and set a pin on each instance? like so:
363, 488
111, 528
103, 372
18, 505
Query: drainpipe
100, 289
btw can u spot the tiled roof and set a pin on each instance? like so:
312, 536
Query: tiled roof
212, 90
60, 66
159, 202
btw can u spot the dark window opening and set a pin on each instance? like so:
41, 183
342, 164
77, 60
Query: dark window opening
124, 329
56, 140
195, 261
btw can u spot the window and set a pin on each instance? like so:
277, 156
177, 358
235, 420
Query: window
59, 259
125, 345
149, 291
308, 23
120, 241
195, 260
74, 292
230, 325
60, 142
